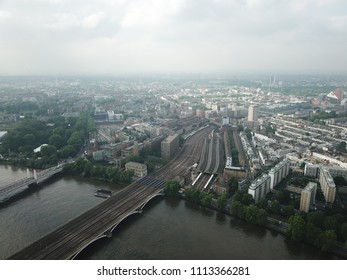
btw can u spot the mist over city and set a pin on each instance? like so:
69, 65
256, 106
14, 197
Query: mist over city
222, 120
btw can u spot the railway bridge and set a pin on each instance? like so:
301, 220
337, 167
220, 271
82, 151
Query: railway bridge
70, 239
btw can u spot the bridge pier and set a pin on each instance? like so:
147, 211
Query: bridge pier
28, 173
35, 174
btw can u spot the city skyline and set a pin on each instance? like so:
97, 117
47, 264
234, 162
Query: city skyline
58, 37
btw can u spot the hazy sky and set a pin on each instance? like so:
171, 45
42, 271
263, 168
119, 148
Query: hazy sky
195, 36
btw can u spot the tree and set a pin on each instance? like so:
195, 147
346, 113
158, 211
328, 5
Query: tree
296, 228
29, 139
116, 176
87, 169
126, 176
48, 150
288, 211
248, 133
68, 151
193, 194
327, 239
261, 217
222, 202
311, 233
247, 199
275, 207
263, 203
206, 199
238, 196
330, 223
269, 130
343, 232
316, 218
56, 140
283, 196
251, 214
237, 209
233, 185
342, 146
172, 188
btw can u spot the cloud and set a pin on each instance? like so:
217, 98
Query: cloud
191, 35
62, 21
339, 23
4, 14
92, 21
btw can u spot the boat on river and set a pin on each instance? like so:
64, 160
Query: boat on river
103, 193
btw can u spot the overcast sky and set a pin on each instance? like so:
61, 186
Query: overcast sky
44, 37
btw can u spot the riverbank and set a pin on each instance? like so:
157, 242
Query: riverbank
275, 225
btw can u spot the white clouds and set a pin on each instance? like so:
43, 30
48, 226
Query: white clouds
4, 14
149, 13
339, 23
65, 21
191, 35
62, 21
93, 20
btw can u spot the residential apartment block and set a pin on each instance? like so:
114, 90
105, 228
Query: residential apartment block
308, 196
327, 185
260, 187
311, 170
279, 172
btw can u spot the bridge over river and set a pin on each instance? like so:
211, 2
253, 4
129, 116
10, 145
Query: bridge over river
70, 239
15, 187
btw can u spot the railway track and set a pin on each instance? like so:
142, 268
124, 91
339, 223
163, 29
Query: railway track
68, 240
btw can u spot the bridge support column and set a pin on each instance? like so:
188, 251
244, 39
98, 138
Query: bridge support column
35, 174
28, 173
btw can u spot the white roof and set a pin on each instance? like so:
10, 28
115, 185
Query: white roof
38, 149
2, 133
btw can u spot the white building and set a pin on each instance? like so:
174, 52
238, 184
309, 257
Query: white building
279, 172
308, 197
327, 184
253, 112
311, 170
260, 187
140, 170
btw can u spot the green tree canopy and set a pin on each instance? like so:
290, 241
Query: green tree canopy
296, 228
172, 188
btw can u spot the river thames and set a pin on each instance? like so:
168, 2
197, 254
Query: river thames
167, 229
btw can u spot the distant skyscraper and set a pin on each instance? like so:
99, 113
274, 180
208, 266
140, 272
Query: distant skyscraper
253, 113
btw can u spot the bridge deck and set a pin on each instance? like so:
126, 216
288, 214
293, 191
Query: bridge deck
90, 226
12, 188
